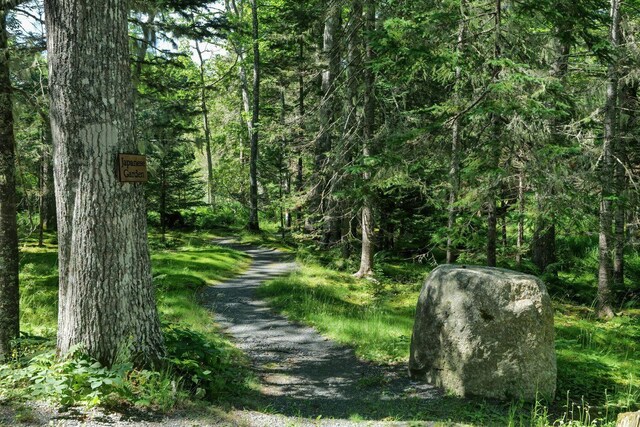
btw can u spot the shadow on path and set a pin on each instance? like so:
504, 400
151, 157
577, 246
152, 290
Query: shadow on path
302, 373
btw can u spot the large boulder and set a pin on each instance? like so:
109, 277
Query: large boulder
628, 419
484, 332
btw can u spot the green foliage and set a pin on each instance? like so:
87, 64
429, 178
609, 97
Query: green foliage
201, 365
597, 361
373, 317
206, 370
72, 380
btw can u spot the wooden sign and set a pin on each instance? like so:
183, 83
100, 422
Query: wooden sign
132, 168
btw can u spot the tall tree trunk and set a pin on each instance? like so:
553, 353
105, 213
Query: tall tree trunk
142, 46
503, 223
285, 161
543, 243
42, 184
521, 206
628, 119
323, 201
366, 257
9, 291
205, 124
619, 218
454, 167
301, 112
492, 220
492, 232
255, 117
245, 103
107, 301
47, 202
605, 309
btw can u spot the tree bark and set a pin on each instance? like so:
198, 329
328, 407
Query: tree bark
322, 198
255, 117
492, 220
285, 164
627, 120
604, 306
543, 244
205, 125
9, 291
106, 300
492, 232
454, 169
521, 206
366, 257
301, 113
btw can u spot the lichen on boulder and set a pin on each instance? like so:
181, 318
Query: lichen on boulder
484, 332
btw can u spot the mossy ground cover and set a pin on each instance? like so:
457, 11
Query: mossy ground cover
598, 361
202, 364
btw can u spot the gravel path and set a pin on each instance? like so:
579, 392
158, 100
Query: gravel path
304, 374
307, 380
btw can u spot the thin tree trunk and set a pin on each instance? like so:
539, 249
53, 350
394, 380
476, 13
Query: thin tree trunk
503, 222
492, 232
322, 194
47, 202
366, 257
543, 244
9, 291
148, 36
604, 302
301, 112
454, 170
245, 108
627, 120
107, 299
255, 117
492, 221
285, 162
521, 206
207, 130
619, 230
42, 205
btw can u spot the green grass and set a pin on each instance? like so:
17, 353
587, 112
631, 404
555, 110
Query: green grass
375, 318
203, 363
181, 272
181, 267
598, 363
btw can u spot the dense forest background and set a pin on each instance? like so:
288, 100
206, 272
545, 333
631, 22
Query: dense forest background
491, 132
374, 139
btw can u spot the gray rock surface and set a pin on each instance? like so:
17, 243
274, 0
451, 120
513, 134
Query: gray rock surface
628, 419
484, 332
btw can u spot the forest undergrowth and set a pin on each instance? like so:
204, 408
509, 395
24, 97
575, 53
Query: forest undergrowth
598, 367
598, 364
201, 364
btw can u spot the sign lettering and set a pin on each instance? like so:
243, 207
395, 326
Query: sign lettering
132, 168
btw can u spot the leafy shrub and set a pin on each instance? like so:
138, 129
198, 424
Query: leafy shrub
205, 218
195, 367
76, 378
153, 218
206, 370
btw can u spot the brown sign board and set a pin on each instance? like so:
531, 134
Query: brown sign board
132, 168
